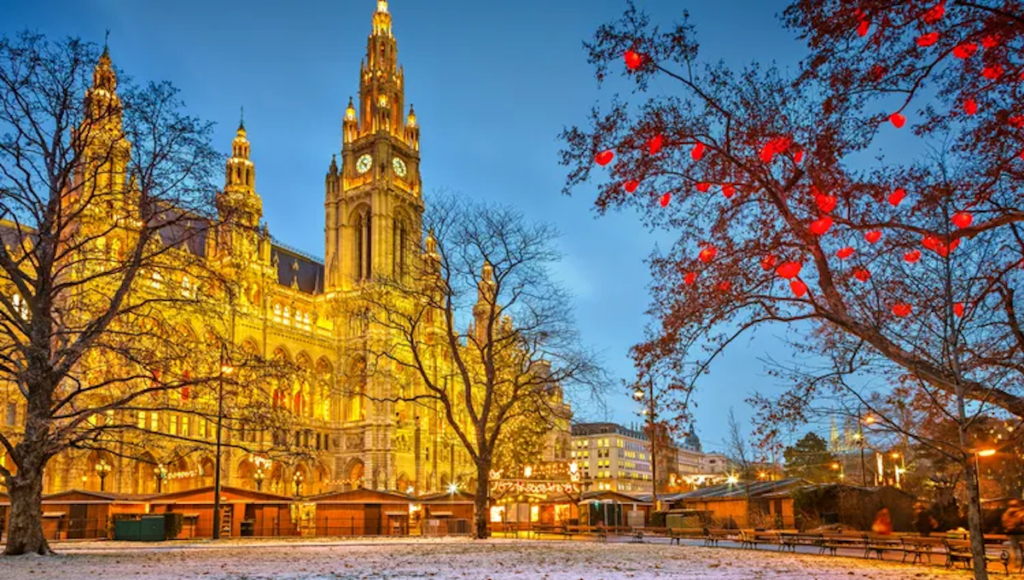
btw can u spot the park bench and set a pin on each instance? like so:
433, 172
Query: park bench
959, 551
920, 548
713, 535
751, 538
790, 540
640, 532
540, 529
676, 535
835, 542
879, 544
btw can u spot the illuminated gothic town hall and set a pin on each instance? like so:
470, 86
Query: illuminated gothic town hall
344, 433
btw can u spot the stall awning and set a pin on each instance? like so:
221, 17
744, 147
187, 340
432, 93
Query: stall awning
396, 513
54, 514
440, 514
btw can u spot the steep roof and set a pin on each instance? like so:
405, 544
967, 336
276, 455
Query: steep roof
741, 490
295, 267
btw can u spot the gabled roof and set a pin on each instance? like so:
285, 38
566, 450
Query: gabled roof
361, 496
205, 494
741, 490
79, 494
613, 496
460, 496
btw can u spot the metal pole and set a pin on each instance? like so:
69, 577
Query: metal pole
216, 470
654, 447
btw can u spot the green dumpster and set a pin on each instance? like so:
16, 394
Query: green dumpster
152, 528
128, 530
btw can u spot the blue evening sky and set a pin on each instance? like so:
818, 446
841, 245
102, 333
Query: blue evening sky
493, 83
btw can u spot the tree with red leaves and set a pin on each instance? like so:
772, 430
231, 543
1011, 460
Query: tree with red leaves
780, 219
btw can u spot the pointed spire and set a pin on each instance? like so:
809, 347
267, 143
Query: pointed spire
241, 121
350, 111
411, 120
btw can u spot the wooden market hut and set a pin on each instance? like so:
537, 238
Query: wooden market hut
362, 512
761, 504
614, 508
265, 514
446, 513
853, 506
80, 514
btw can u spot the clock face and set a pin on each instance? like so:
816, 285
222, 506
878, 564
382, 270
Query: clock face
399, 166
364, 163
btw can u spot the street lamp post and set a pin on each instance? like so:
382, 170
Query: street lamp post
161, 474
639, 395
297, 480
225, 369
103, 470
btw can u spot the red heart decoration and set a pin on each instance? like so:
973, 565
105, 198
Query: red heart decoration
768, 152
958, 309
724, 286
631, 185
931, 242
965, 50
845, 253
897, 196
898, 120
789, 270
707, 254
634, 60
970, 106
604, 157
798, 288
862, 274
654, 145
863, 27
821, 225
1016, 121
992, 72
901, 309
798, 157
928, 39
690, 278
703, 187
728, 190
990, 40
826, 203
768, 262
665, 199
912, 256
962, 219
697, 152
877, 72
934, 14
873, 236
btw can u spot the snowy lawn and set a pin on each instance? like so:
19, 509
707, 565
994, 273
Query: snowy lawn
448, 559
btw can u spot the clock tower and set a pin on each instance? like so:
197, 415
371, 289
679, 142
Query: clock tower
373, 197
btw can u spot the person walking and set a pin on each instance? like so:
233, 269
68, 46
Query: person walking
924, 522
1013, 525
883, 523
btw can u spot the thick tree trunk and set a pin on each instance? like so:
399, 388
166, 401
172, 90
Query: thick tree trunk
481, 503
25, 534
974, 521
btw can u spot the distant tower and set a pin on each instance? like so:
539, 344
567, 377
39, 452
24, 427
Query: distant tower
373, 201
239, 206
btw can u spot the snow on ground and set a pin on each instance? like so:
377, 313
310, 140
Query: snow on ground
452, 559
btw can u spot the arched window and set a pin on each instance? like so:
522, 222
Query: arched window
356, 390
364, 246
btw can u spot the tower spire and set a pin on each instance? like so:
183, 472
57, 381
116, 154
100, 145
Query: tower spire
241, 119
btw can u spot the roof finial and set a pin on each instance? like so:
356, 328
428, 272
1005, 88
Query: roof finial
106, 43
241, 118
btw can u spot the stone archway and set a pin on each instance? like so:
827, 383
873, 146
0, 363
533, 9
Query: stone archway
355, 475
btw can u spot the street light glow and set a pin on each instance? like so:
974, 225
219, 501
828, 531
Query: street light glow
732, 479
453, 488
986, 453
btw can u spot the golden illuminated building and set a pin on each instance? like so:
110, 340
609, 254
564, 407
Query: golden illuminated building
347, 430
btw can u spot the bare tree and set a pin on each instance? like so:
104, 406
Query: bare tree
106, 202
521, 349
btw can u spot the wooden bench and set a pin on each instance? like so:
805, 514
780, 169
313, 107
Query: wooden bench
676, 535
920, 548
640, 532
790, 540
835, 542
539, 529
960, 551
879, 544
713, 535
751, 538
